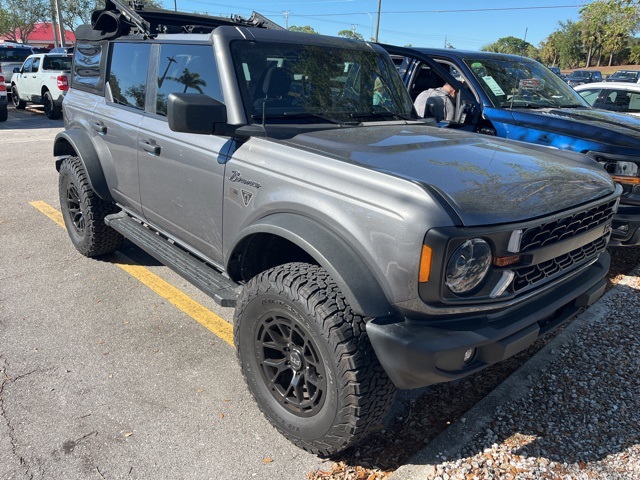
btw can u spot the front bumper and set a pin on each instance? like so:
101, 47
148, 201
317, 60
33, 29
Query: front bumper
416, 354
626, 226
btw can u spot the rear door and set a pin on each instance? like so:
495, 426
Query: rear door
182, 174
117, 117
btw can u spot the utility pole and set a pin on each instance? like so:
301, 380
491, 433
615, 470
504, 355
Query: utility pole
286, 19
63, 42
54, 25
378, 24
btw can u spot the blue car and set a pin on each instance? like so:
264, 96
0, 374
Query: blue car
518, 98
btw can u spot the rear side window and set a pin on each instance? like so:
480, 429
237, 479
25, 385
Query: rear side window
128, 73
86, 66
186, 69
56, 63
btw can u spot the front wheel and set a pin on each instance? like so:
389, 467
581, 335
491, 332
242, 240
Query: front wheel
307, 359
19, 104
84, 211
52, 111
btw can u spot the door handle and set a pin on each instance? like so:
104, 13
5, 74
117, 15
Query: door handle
99, 127
148, 146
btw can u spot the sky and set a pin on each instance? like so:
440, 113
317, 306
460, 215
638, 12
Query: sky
465, 24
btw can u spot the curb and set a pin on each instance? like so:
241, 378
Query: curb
450, 443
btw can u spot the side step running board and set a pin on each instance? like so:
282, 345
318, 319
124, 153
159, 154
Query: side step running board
204, 276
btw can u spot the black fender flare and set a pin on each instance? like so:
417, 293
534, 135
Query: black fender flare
76, 142
348, 269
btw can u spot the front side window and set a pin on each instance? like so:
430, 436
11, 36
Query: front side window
280, 82
26, 68
186, 69
128, 73
36, 64
590, 95
524, 84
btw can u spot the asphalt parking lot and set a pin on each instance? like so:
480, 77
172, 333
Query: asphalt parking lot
118, 368
115, 368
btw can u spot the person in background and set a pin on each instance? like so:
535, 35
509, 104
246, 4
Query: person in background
379, 95
436, 103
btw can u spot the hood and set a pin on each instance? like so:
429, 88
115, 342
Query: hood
486, 180
612, 130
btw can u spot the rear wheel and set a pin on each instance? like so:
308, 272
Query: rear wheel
4, 114
307, 359
52, 111
19, 104
84, 212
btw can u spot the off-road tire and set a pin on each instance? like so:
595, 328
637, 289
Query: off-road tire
52, 111
293, 326
19, 104
84, 212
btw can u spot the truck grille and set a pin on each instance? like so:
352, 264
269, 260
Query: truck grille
567, 227
528, 276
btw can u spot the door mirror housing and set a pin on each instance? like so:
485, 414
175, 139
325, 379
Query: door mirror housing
196, 113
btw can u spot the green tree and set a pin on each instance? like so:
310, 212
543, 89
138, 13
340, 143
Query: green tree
622, 23
549, 50
19, 17
569, 44
512, 45
305, 29
350, 34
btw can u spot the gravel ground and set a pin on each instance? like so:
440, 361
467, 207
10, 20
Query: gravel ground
580, 418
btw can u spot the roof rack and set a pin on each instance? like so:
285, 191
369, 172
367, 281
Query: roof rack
119, 18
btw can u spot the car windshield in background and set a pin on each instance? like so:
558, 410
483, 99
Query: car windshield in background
284, 82
624, 76
522, 84
578, 74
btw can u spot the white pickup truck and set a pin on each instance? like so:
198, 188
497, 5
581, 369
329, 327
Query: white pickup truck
44, 79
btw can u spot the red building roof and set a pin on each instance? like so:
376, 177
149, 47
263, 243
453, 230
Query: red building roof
43, 35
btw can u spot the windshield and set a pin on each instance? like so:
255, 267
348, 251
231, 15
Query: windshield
14, 55
318, 83
625, 75
522, 83
580, 74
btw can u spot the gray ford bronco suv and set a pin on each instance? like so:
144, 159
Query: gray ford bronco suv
288, 176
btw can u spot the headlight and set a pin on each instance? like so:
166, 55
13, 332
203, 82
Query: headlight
468, 266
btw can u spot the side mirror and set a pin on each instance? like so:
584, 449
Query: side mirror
195, 113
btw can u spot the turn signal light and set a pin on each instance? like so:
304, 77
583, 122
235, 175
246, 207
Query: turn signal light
506, 260
627, 180
425, 264
3, 87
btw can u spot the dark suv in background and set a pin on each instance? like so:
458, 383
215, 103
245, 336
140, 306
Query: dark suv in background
580, 77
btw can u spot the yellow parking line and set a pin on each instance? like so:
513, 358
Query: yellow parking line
199, 313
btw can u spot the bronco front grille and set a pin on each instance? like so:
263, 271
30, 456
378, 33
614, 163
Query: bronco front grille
528, 276
566, 227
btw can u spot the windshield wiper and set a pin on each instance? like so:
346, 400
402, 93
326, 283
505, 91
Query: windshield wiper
292, 115
572, 105
379, 115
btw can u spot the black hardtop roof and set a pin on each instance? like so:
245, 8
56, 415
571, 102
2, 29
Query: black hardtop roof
474, 54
